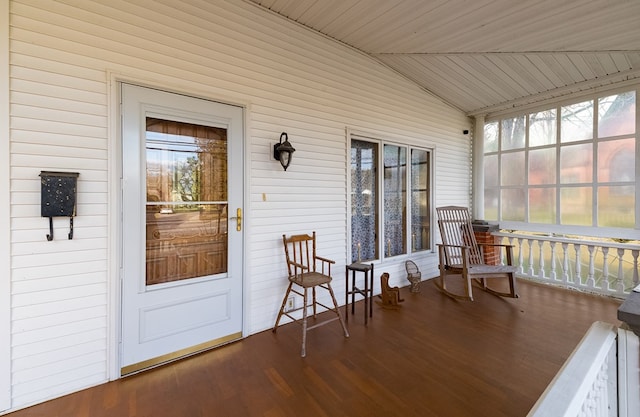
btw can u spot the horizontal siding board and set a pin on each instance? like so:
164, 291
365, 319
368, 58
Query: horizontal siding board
34, 324
74, 377
41, 335
57, 271
71, 298
36, 360
49, 284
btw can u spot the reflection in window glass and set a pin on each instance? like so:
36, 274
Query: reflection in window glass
579, 165
491, 203
491, 137
617, 115
395, 189
186, 210
542, 205
364, 219
577, 122
513, 204
613, 206
576, 205
542, 166
420, 220
616, 160
542, 128
576, 164
513, 131
512, 164
491, 171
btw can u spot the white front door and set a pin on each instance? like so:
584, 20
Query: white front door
182, 190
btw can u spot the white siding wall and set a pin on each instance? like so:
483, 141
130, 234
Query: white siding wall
5, 268
63, 56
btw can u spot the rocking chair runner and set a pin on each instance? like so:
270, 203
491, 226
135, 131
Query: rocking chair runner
307, 271
462, 256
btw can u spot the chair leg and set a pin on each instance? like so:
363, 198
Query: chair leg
284, 303
313, 291
337, 310
512, 293
304, 324
441, 283
467, 286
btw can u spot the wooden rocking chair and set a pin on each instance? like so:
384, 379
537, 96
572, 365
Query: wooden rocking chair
307, 271
462, 256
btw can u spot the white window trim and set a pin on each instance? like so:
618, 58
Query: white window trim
603, 232
409, 145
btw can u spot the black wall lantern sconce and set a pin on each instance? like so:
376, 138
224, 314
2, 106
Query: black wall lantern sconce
58, 197
283, 151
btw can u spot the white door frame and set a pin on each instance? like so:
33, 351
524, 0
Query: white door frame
169, 84
5, 227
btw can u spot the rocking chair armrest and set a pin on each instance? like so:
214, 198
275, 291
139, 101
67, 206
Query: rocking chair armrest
320, 258
452, 246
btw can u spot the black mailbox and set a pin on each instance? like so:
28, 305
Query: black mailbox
58, 197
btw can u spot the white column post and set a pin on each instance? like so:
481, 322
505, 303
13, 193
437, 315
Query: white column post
478, 168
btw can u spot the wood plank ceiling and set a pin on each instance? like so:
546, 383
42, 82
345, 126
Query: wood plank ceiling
486, 56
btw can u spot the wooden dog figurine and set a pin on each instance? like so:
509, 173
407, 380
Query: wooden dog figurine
390, 295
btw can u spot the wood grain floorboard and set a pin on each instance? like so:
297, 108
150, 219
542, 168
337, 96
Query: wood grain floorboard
433, 356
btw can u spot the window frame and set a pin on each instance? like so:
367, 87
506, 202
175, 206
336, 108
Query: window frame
594, 185
380, 247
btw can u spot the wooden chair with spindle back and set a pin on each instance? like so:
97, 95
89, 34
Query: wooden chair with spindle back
307, 271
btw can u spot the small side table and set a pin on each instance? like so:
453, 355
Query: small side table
367, 292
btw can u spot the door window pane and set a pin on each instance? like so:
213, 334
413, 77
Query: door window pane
186, 210
395, 190
420, 210
364, 218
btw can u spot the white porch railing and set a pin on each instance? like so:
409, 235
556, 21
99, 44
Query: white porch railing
599, 379
602, 267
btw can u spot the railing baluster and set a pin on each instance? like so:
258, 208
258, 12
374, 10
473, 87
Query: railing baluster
591, 283
531, 271
605, 269
553, 260
541, 273
577, 277
520, 256
565, 263
620, 280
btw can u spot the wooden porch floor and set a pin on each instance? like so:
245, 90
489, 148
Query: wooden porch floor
432, 357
